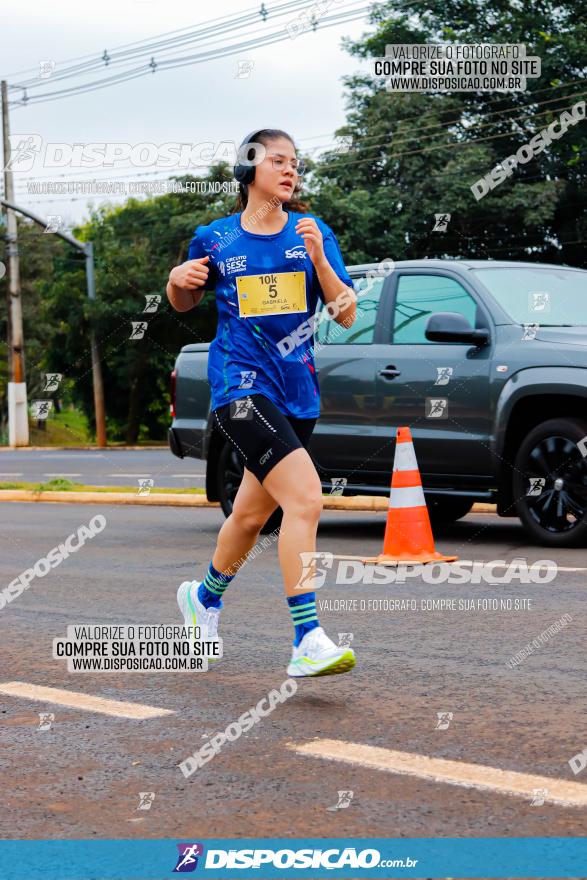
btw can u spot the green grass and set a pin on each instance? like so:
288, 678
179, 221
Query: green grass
70, 428
67, 428
62, 485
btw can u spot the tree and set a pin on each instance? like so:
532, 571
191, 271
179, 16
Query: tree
415, 155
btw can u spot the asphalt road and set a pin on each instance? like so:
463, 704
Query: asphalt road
82, 777
109, 467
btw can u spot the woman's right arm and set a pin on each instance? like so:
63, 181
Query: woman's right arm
185, 287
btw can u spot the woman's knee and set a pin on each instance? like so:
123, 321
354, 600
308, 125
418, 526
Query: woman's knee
307, 505
249, 521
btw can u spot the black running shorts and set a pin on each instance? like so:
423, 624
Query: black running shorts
261, 432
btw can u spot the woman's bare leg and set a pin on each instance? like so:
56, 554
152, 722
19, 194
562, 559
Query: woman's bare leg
295, 486
253, 506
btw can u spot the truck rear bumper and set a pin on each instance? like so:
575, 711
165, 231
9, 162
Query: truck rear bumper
174, 443
185, 442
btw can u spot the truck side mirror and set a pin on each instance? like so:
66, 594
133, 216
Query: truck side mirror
453, 327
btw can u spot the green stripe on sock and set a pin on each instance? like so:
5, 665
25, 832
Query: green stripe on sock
214, 585
310, 615
301, 607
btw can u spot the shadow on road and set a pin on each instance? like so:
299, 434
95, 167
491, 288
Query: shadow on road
486, 529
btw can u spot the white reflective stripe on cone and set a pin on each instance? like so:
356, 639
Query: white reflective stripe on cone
410, 496
405, 457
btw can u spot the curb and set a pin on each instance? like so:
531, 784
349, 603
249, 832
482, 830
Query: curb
171, 499
73, 448
174, 499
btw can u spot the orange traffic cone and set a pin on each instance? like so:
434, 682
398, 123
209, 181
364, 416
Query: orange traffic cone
408, 534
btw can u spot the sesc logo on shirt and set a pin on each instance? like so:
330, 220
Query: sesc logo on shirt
236, 264
296, 253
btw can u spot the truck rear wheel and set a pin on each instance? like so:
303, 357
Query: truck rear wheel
550, 483
229, 477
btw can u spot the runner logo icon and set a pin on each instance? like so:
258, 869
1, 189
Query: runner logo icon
310, 559
187, 860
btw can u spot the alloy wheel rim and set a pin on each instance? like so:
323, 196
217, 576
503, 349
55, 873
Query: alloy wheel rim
558, 502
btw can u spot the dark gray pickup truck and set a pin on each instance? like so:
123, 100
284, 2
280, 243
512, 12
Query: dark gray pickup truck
485, 361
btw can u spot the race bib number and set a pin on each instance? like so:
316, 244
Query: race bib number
277, 293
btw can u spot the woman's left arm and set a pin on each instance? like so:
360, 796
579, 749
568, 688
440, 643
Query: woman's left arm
333, 288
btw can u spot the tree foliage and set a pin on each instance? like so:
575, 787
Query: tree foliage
415, 155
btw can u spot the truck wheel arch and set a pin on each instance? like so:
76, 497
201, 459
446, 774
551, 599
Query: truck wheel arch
530, 397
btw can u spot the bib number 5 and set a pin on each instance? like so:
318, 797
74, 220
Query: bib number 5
278, 293
271, 282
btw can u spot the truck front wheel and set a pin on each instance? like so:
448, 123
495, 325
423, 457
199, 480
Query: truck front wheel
229, 475
550, 483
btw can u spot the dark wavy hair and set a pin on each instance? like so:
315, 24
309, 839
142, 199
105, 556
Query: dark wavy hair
293, 204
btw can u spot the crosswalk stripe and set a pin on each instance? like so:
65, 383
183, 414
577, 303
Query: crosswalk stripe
554, 791
75, 700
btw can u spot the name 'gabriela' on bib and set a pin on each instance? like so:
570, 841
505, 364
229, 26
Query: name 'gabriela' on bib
275, 293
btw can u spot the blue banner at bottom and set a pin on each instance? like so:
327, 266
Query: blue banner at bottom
486, 857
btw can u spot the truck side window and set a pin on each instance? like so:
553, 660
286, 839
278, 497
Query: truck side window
419, 296
368, 292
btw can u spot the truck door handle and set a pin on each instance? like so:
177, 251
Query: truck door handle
390, 372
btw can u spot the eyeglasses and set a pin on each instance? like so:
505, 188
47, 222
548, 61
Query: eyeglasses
280, 162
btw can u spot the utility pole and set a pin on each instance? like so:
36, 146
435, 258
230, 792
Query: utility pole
18, 420
87, 249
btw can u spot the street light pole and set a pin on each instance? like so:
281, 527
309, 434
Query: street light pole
87, 248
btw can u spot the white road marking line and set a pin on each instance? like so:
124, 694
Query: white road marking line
62, 475
175, 476
127, 476
73, 454
75, 700
10, 474
191, 476
485, 778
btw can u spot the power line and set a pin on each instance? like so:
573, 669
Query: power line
460, 121
491, 101
150, 44
173, 63
448, 146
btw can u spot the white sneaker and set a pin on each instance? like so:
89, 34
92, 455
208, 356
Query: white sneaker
318, 655
194, 613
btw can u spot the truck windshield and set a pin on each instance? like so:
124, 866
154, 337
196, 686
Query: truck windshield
549, 297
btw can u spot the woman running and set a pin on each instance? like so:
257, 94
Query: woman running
269, 264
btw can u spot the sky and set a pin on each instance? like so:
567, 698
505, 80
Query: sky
295, 85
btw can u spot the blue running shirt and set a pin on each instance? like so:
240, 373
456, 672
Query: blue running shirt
244, 358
